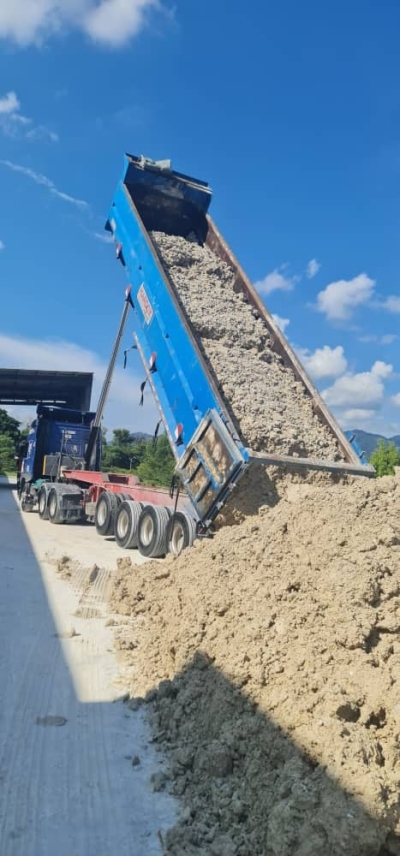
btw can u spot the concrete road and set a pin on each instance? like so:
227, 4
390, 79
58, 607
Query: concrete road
67, 784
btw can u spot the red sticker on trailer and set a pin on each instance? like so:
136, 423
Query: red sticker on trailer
145, 304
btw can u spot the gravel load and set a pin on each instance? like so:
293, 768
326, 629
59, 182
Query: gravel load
271, 408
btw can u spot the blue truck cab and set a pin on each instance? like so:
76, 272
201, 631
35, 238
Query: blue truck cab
57, 439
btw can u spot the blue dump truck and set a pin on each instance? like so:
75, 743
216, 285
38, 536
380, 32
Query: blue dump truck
192, 381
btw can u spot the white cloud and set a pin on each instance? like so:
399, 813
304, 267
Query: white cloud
339, 299
361, 390
9, 104
386, 339
312, 268
42, 180
282, 323
395, 399
110, 22
392, 303
114, 21
14, 124
106, 238
356, 415
122, 410
324, 362
42, 133
276, 281
2, 246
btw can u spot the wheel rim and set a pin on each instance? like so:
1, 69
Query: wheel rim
147, 530
177, 541
42, 502
122, 523
101, 512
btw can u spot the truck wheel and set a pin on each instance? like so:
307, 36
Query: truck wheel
181, 533
127, 524
26, 505
152, 534
105, 513
54, 507
42, 504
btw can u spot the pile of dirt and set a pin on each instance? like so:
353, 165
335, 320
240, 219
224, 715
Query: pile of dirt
271, 408
271, 658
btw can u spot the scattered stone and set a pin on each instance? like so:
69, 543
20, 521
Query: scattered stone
67, 634
51, 720
94, 572
134, 703
158, 781
348, 712
124, 563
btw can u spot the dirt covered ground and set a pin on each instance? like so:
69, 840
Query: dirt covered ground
270, 658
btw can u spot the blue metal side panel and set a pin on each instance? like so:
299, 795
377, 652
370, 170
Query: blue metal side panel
180, 379
357, 448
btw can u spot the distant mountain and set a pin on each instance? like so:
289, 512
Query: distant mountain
137, 436
369, 442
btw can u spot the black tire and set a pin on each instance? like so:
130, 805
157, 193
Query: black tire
53, 507
43, 510
127, 524
181, 533
26, 506
105, 513
21, 488
152, 535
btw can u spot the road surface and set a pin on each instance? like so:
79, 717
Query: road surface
67, 783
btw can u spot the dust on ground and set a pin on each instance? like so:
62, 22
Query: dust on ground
272, 409
271, 660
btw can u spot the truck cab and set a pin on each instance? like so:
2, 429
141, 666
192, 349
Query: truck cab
57, 440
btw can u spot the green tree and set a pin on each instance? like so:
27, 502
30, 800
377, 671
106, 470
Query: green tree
9, 426
126, 457
7, 453
152, 462
121, 437
158, 464
115, 457
385, 458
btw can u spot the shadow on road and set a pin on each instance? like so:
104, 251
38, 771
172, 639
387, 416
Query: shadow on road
248, 789
67, 784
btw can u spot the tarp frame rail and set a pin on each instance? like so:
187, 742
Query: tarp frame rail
289, 462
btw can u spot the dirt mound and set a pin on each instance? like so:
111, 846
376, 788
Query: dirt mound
271, 408
271, 656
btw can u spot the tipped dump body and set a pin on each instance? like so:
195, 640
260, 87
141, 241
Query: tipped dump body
230, 390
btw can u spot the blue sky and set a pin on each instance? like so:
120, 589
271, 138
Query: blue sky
291, 112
